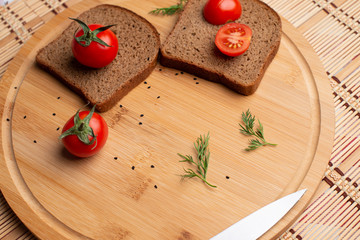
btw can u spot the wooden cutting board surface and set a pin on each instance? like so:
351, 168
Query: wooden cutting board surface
132, 189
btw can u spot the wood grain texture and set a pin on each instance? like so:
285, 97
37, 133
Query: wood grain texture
117, 194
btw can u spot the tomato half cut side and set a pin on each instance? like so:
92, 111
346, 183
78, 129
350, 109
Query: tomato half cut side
233, 39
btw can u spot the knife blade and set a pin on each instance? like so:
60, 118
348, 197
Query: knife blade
256, 224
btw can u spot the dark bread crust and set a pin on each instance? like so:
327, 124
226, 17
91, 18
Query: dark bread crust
112, 99
204, 60
136, 59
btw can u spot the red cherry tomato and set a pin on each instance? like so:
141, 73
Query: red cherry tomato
219, 12
233, 39
81, 124
96, 55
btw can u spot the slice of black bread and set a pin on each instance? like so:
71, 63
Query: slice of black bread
139, 44
190, 46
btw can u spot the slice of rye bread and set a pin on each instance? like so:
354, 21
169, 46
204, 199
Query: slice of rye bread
190, 46
139, 44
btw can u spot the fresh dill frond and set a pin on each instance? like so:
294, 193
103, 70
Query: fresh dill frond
247, 128
202, 160
170, 10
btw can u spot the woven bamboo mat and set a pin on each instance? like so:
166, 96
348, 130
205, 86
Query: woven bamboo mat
332, 28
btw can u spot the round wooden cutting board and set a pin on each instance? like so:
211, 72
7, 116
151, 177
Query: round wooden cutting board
133, 189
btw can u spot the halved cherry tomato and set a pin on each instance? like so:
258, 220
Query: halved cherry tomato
219, 12
233, 39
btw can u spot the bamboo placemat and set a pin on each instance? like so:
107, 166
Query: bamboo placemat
332, 28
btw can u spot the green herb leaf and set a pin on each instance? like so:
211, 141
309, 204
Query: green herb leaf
247, 128
90, 36
170, 10
202, 160
82, 129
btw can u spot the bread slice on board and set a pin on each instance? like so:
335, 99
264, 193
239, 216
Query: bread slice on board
139, 44
190, 46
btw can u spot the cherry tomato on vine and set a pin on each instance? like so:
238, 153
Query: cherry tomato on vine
233, 39
95, 45
219, 12
84, 134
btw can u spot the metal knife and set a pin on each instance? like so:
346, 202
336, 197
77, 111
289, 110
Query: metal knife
256, 224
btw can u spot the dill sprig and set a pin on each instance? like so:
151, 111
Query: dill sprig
202, 160
248, 129
170, 10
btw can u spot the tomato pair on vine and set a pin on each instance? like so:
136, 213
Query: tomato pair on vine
232, 39
95, 45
